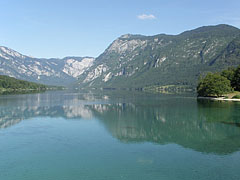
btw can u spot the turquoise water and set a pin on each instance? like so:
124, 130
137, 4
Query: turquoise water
111, 135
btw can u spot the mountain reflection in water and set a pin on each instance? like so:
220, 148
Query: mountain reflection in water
208, 127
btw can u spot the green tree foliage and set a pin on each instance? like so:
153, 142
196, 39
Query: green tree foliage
236, 79
214, 85
229, 74
15, 84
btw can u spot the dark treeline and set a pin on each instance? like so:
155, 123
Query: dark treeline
15, 84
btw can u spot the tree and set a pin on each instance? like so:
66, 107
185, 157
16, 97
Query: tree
229, 74
213, 85
236, 79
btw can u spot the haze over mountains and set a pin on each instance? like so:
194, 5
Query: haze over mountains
47, 71
135, 61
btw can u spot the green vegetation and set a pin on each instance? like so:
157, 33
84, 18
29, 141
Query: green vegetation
219, 84
164, 60
169, 89
236, 96
229, 74
9, 84
214, 85
236, 79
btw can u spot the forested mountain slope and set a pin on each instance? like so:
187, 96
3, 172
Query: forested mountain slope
135, 61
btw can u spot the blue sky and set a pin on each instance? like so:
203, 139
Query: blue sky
57, 28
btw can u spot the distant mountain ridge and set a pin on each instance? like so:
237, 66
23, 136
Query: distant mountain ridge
47, 71
137, 61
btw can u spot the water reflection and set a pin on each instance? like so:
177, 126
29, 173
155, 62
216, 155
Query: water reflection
224, 112
208, 127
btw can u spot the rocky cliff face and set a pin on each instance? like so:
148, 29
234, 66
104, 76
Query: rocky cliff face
139, 61
135, 61
48, 71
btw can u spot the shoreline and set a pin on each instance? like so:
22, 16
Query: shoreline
218, 99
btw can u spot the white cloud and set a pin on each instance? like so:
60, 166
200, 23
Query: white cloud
146, 16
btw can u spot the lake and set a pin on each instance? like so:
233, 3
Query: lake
118, 135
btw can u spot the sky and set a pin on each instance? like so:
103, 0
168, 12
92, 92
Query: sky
59, 28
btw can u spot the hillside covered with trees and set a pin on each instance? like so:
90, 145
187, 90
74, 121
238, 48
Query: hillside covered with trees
136, 61
9, 84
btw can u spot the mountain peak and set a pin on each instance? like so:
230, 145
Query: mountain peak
125, 36
52, 71
221, 29
138, 61
4, 52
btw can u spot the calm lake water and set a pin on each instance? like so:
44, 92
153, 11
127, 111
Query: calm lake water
118, 135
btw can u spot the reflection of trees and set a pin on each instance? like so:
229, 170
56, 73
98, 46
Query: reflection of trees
181, 124
224, 112
202, 126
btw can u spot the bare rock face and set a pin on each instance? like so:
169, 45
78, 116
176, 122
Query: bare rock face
75, 68
136, 61
123, 45
48, 71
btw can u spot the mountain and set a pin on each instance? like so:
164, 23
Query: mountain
138, 61
47, 71
135, 61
